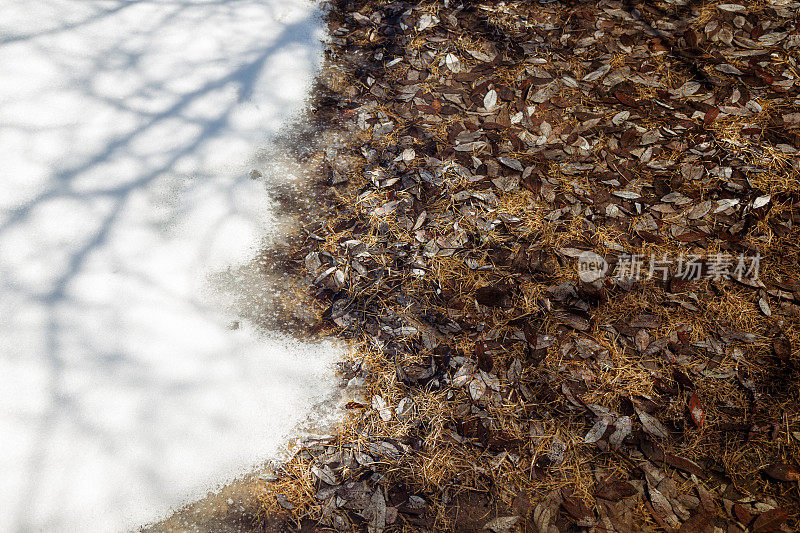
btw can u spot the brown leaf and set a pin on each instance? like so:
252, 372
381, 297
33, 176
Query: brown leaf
699, 523
615, 490
511, 163
706, 499
700, 210
622, 429
652, 425
691, 38
764, 306
661, 508
597, 431
683, 380
493, 297
578, 510
782, 347
477, 388
500, 440
533, 183
556, 453
543, 517
681, 463
522, 504
642, 340
770, 520
501, 524
711, 116
742, 514
645, 321
696, 410
783, 472
485, 360
625, 98
574, 321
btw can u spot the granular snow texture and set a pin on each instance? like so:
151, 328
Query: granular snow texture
127, 130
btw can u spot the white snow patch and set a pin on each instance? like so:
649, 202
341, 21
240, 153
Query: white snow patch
126, 128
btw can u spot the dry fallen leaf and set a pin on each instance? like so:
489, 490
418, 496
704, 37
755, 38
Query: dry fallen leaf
652, 425
622, 429
662, 507
615, 490
761, 201
700, 210
764, 306
734, 8
783, 472
427, 21
453, 63
384, 411
597, 74
477, 388
770, 520
492, 297
578, 509
782, 347
324, 473
696, 410
502, 524
620, 118
597, 431
490, 100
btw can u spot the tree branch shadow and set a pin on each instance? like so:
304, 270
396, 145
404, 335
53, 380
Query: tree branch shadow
239, 77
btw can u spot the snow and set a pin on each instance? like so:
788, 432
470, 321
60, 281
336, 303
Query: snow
127, 132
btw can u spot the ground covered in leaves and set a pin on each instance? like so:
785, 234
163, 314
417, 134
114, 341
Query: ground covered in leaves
488, 155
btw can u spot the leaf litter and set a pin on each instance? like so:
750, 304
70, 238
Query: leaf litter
483, 150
